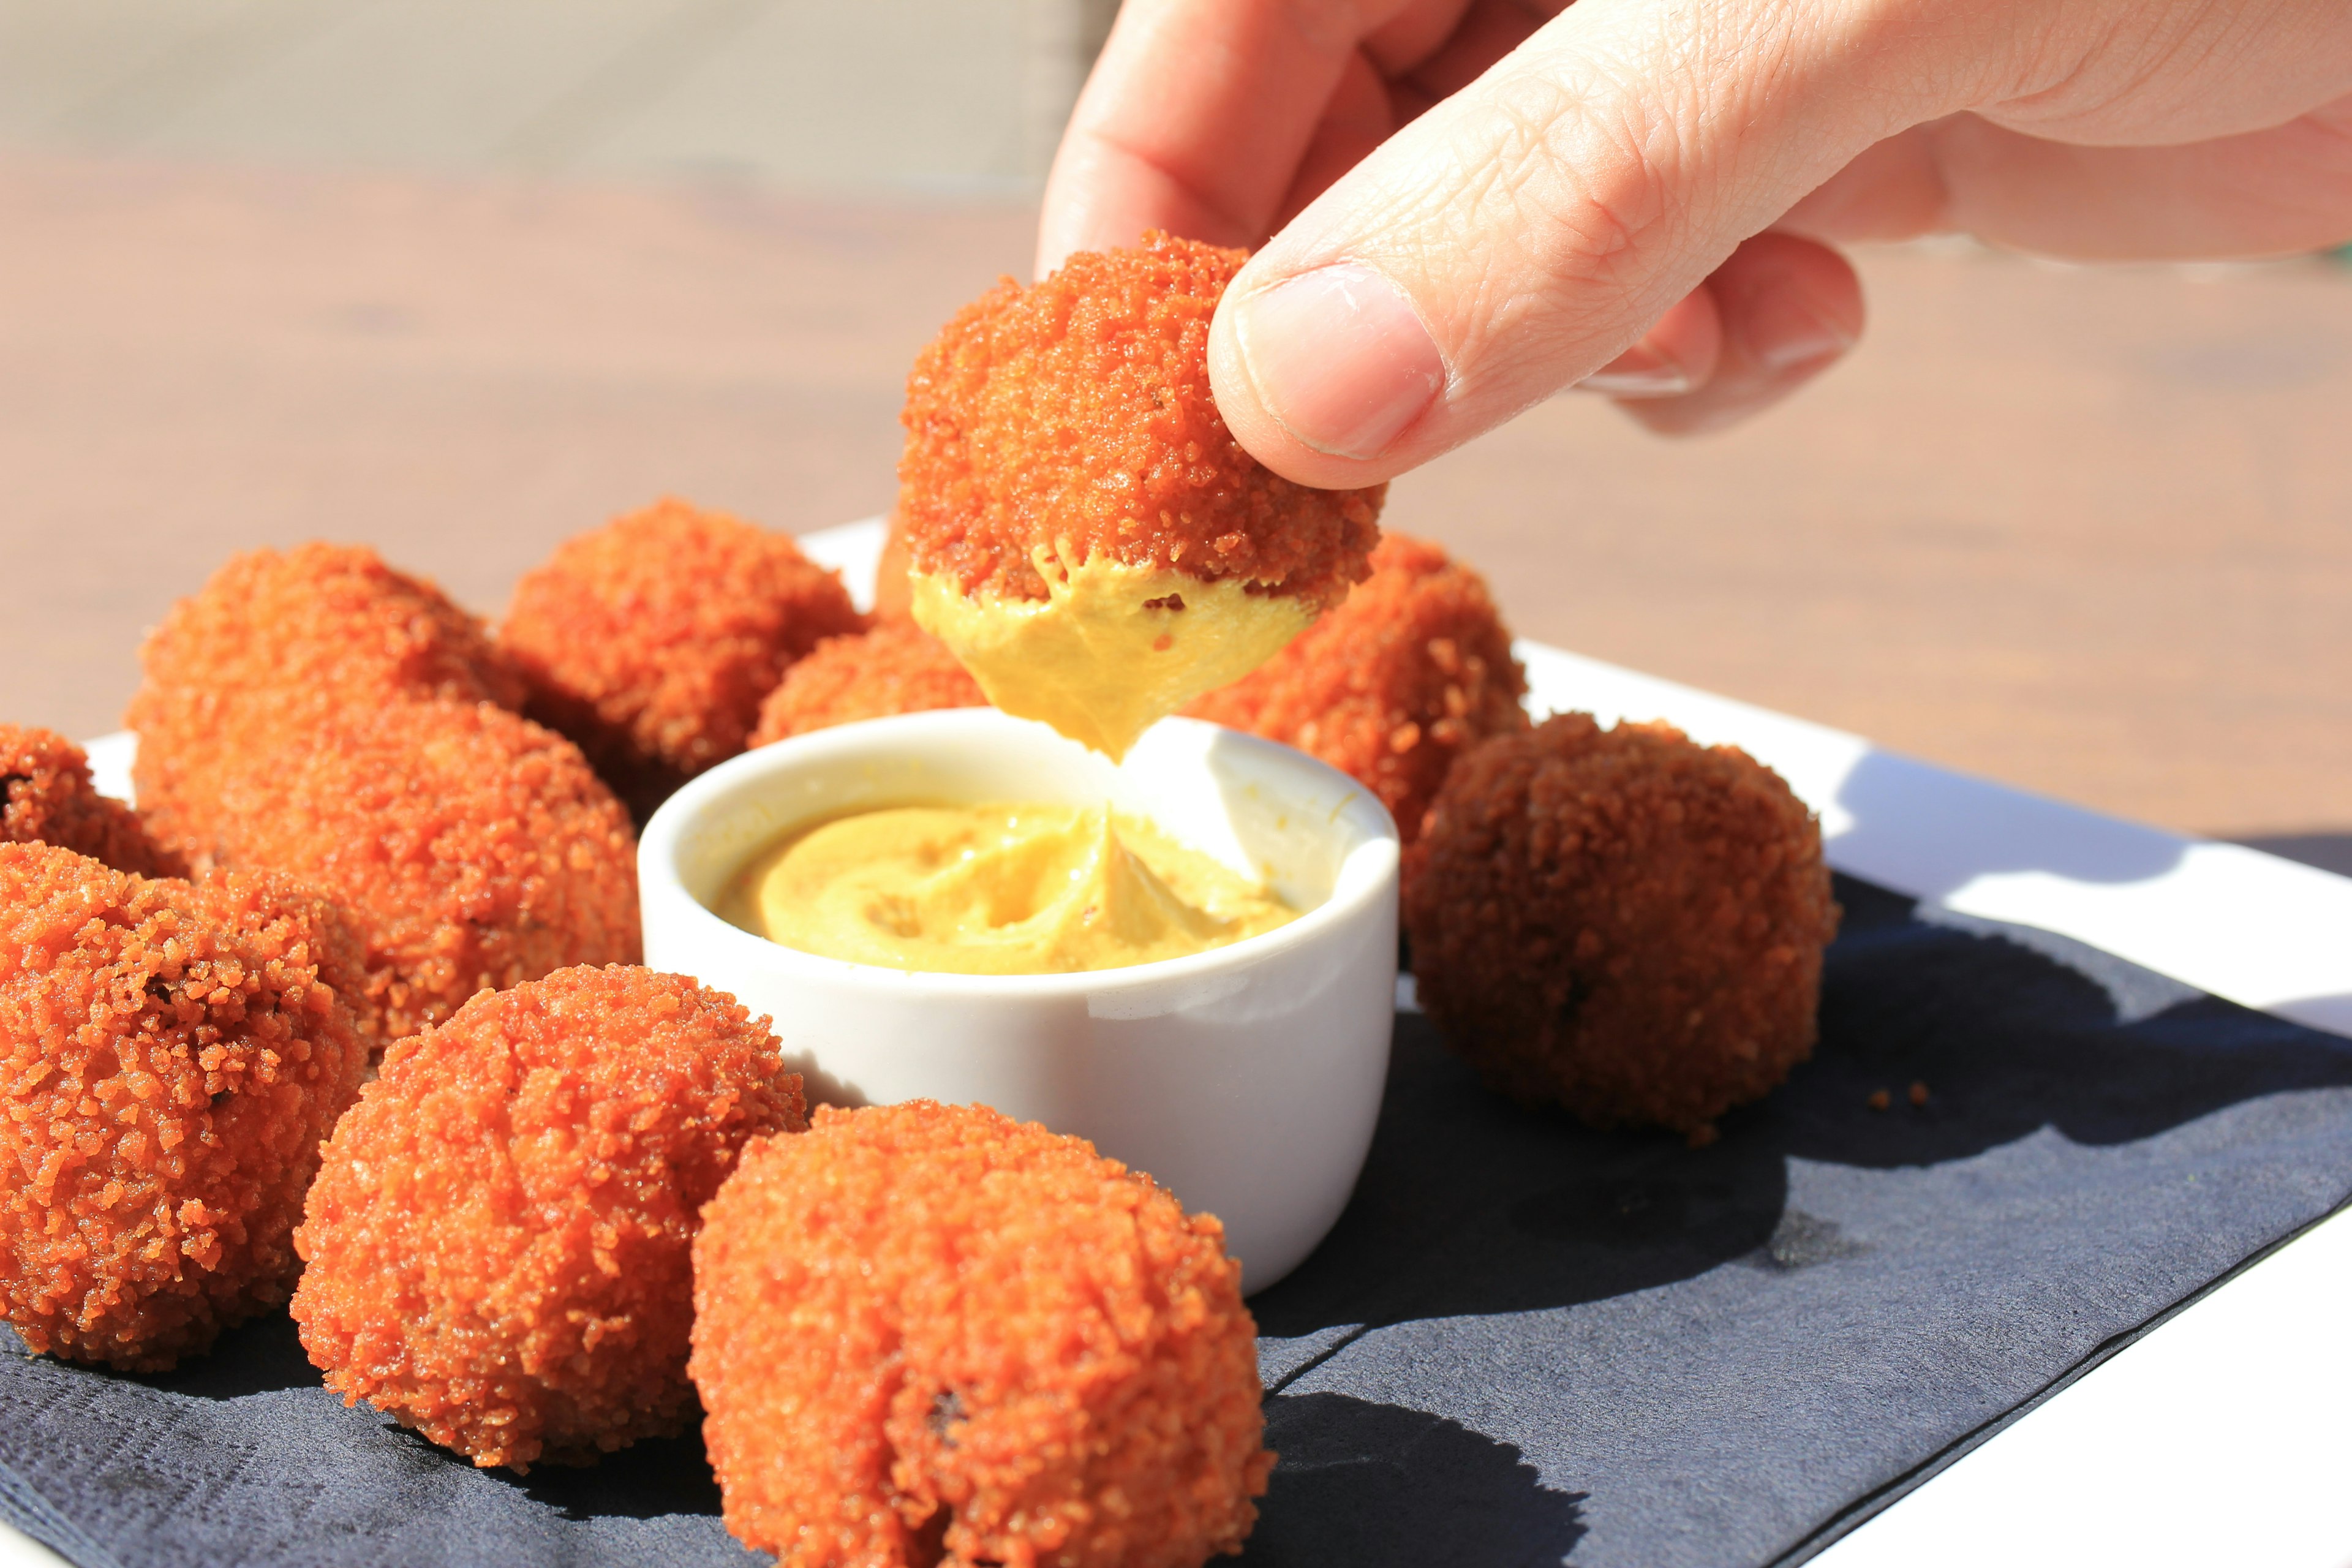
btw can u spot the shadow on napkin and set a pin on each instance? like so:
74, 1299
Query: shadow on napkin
1470, 1204
1377, 1486
648, 1479
260, 1357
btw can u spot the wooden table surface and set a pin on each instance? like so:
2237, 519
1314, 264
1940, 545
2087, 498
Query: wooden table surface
2089, 531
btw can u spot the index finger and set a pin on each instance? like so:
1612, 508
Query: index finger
1196, 118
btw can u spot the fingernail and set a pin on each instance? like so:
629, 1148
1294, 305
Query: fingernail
1638, 373
1339, 359
1783, 333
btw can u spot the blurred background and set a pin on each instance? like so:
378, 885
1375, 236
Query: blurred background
459, 277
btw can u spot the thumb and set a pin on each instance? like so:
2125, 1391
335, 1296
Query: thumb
1528, 230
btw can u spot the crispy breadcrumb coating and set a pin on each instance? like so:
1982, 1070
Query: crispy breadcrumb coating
319, 714
471, 848
925, 1328
46, 797
652, 641
1621, 921
172, 1055
1392, 686
1077, 412
271, 642
498, 1242
897, 668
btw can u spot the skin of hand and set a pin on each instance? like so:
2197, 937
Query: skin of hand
1473, 204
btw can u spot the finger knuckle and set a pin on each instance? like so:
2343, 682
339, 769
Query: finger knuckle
1591, 166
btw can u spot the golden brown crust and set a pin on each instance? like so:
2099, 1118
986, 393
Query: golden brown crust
471, 848
46, 797
1392, 685
498, 1242
319, 714
1621, 921
272, 644
652, 641
173, 1053
924, 1330
897, 668
1077, 412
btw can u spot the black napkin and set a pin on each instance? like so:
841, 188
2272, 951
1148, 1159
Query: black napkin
1526, 1341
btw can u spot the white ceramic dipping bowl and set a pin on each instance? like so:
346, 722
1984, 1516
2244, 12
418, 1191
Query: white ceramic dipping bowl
1245, 1079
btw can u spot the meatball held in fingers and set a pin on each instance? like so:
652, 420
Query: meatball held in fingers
1083, 530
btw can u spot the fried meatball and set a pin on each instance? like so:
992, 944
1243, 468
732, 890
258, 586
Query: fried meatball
172, 1053
471, 848
273, 641
897, 668
1077, 412
1392, 685
498, 1242
652, 641
1621, 921
46, 797
925, 1328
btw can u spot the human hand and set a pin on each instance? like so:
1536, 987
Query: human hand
1481, 201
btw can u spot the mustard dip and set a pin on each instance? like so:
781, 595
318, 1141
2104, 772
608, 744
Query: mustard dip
995, 890
1111, 650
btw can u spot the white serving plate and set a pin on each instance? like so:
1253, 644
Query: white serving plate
2217, 1436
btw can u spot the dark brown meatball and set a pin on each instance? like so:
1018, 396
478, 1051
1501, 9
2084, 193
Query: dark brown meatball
1621, 921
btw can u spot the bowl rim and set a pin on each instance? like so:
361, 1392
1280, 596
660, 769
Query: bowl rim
1368, 869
